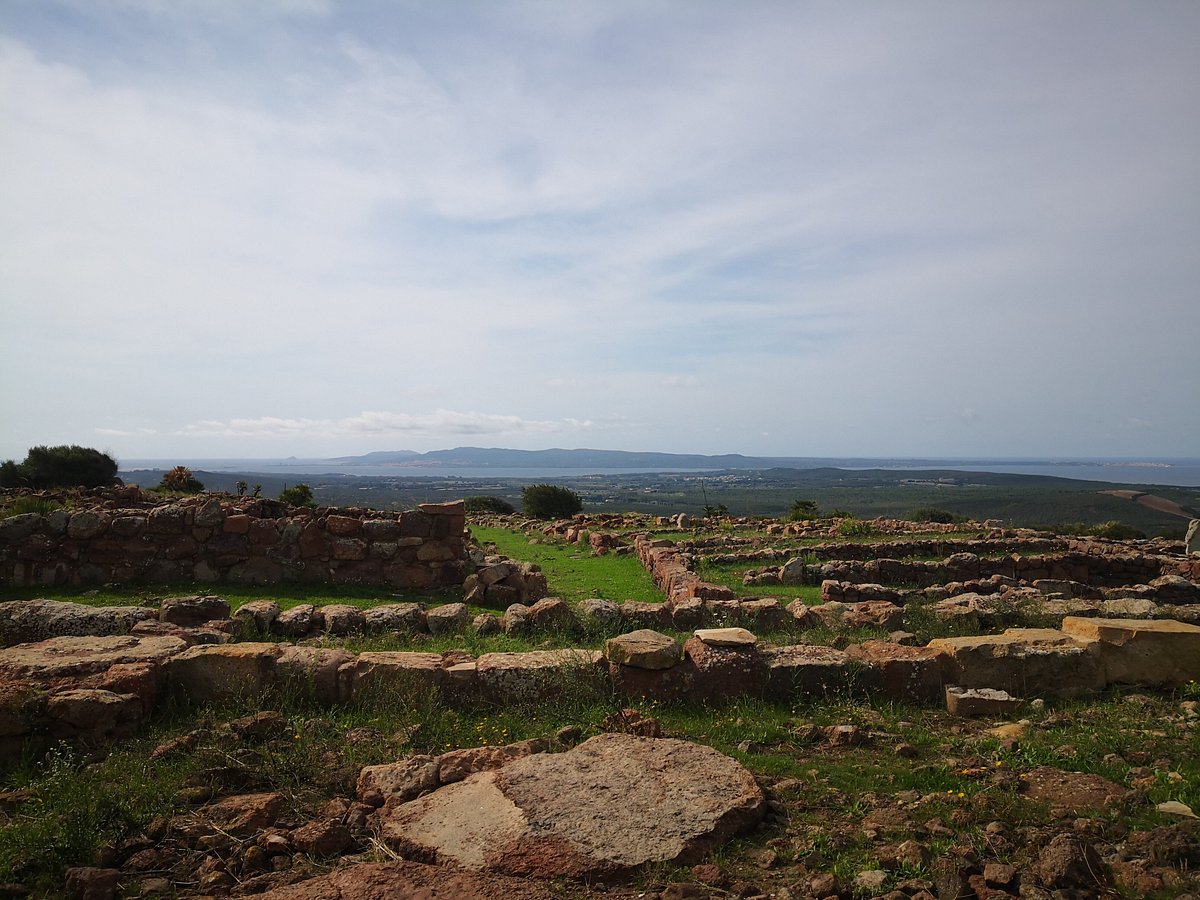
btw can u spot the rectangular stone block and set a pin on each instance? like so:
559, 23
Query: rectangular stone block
540, 673
391, 671
1027, 662
805, 669
1142, 651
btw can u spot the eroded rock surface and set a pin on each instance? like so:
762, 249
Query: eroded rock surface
611, 804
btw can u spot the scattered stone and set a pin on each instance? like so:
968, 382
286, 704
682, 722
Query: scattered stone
1069, 863
91, 883
1175, 808
726, 637
450, 618
962, 701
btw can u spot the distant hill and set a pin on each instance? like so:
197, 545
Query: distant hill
559, 458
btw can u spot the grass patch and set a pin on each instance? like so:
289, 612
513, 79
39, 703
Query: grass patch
573, 572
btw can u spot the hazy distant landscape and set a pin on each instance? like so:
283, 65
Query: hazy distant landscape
1019, 492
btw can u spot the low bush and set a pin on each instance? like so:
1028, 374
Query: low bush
62, 466
297, 495
550, 501
181, 480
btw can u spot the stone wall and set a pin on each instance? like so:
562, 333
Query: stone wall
210, 538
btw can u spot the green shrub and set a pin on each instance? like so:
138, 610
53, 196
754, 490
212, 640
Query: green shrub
933, 514
803, 509
182, 480
18, 506
297, 495
63, 466
550, 501
485, 504
855, 528
1113, 530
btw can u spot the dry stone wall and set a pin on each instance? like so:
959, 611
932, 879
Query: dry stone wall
210, 538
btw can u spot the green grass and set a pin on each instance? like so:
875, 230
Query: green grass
573, 572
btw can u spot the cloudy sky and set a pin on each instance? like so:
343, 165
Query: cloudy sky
312, 227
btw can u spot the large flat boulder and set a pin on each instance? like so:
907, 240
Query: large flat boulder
1152, 652
27, 621
1023, 661
643, 649
611, 804
74, 657
403, 879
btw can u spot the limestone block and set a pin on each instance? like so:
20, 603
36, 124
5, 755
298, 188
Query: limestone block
314, 671
961, 701
553, 614
189, 611
88, 709
260, 614
729, 670
450, 618
339, 619
391, 671
1151, 652
1023, 661
726, 637
643, 649
805, 669
404, 617
520, 676
899, 672
211, 672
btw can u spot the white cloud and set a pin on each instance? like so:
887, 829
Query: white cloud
369, 424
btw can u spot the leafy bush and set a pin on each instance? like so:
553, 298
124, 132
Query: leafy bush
933, 514
485, 504
855, 528
182, 480
63, 466
803, 509
550, 501
297, 495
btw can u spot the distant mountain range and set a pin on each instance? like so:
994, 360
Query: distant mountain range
558, 458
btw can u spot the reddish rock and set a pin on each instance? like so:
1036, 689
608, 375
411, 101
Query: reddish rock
243, 814
455, 765
612, 803
322, 837
899, 672
191, 611
91, 883
411, 881
726, 671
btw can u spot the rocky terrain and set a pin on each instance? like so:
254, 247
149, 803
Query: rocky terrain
919, 712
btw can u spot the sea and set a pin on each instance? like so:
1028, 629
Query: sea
1176, 472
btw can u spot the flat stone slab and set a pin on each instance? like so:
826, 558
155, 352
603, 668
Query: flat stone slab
643, 649
25, 621
1023, 661
394, 880
805, 669
611, 804
962, 701
726, 637
68, 657
1151, 652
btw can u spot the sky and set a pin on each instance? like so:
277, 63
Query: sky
317, 228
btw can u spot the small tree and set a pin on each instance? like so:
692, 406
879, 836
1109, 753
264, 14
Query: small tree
550, 501
62, 466
241, 488
297, 495
182, 480
803, 509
